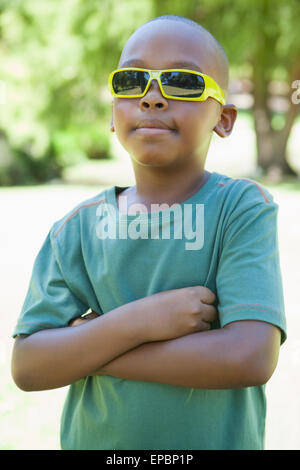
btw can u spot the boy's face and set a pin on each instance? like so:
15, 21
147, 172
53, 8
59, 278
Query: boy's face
186, 126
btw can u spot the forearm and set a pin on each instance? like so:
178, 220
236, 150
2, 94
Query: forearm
216, 359
58, 357
196, 360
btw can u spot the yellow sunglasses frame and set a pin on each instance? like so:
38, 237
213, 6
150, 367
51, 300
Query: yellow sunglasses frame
211, 90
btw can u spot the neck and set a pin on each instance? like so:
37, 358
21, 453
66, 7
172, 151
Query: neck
157, 186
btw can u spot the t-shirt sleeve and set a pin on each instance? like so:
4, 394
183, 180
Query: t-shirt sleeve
49, 302
249, 282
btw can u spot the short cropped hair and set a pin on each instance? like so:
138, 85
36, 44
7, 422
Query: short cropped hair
191, 23
201, 29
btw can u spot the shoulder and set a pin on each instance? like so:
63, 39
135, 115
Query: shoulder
244, 203
69, 228
242, 191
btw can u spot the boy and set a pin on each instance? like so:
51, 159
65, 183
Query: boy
160, 370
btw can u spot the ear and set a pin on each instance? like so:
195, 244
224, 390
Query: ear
112, 127
227, 120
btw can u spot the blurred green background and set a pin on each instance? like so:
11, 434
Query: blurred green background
56, 150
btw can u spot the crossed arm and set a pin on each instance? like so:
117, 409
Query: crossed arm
161, 338
242, 354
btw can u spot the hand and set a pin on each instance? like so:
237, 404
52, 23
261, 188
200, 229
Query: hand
80, 320
177, 312
171, 314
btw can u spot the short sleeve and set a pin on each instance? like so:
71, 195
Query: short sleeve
49, 302
249, 282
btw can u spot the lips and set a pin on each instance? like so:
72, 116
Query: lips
153, 124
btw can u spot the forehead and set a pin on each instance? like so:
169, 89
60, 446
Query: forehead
165, 44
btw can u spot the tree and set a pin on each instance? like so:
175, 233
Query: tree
56, 57
264, 35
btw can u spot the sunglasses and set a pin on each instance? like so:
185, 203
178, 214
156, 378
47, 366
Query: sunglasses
174, 84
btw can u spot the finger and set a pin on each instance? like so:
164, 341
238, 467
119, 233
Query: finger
209, 313
93, 311
206, 295
204, 326
77, 322
71, 322
90, 316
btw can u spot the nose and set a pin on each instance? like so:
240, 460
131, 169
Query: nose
153, 99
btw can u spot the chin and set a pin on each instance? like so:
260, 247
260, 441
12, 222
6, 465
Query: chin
152, 160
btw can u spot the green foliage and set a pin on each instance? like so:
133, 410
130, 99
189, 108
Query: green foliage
243, 27
55, 57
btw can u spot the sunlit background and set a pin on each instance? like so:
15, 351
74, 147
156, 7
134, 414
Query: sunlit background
56, 151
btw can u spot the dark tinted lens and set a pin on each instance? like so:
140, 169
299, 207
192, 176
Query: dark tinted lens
182, 84
130, 82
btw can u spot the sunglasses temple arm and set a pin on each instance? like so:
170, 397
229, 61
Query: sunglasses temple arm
217, 95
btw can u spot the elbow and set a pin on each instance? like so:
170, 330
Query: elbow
20, 379
255, 378
264, 373
22, 384
258, 344
257, 369
20, 375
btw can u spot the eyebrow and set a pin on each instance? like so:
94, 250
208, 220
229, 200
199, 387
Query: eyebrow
173, 65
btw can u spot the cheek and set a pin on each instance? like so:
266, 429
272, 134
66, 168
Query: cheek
200, 122
192, 128
122, 113
118, 117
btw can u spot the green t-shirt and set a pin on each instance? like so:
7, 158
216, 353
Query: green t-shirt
97, 258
